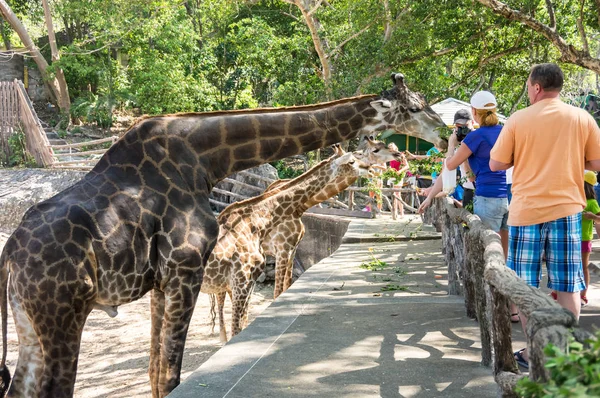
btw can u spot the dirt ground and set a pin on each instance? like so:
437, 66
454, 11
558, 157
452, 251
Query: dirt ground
113, 361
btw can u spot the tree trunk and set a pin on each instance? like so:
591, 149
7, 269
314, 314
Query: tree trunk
5, 37
41, 63
64, 102
568, 52
310, 22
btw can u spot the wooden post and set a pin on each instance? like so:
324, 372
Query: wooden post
351, 200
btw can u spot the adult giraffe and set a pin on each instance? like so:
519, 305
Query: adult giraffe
141, 221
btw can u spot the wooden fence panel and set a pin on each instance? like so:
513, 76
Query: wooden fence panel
9, 115
37, 141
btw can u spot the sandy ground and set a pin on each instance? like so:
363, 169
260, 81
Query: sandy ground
113, 361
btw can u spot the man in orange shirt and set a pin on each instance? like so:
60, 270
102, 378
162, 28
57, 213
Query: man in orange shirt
550, 143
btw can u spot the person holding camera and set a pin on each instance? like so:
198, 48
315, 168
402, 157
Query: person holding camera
463, 125
490, 203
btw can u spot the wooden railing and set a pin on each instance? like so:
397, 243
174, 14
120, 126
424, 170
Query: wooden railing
83, 160
476, 269
16, 110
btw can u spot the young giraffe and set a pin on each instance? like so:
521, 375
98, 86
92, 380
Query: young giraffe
279, 237
141, 221
238, 257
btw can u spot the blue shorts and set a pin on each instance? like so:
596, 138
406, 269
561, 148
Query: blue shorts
493, 212
561, 241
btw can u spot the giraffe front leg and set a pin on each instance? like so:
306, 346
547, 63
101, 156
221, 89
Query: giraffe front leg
179, 302
221, 305
284, 265
157, 307
240, 299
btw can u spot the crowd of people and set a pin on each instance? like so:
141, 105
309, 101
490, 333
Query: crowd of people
535, 183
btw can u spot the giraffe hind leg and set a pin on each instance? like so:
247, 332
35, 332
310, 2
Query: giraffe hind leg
59, 337
28, 373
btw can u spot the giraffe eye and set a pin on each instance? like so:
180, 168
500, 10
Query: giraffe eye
414, 109
375, 150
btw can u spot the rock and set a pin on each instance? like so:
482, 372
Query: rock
22, 188
264, 170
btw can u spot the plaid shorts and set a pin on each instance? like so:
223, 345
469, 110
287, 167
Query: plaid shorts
560, 240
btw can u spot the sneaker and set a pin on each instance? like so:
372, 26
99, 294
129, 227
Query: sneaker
584, 301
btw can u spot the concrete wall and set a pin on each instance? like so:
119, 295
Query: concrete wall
323, 236
12, 67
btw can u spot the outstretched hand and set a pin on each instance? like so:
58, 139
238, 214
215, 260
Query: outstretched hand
424, 205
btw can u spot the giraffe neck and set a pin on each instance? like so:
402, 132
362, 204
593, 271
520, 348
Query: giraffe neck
205, 148
271, 207
329, 191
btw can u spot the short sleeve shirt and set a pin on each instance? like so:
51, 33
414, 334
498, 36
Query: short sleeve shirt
488, 183
587, 226
548, 143
433, 151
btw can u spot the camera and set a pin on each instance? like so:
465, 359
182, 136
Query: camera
461, 132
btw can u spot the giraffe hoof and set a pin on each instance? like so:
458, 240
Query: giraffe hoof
111, 310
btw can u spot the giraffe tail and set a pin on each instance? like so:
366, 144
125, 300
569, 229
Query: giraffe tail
4, 372
213, 313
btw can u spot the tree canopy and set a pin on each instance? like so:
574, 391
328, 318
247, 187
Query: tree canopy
196, 55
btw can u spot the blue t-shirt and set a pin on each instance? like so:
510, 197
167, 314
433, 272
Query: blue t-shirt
491, 184
433, 151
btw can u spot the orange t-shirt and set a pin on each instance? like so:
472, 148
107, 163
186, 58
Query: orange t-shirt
548, 143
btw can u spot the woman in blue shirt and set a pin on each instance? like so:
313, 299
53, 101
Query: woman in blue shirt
491, 196
491, 203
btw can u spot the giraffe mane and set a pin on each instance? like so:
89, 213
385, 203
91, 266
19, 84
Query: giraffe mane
255, 110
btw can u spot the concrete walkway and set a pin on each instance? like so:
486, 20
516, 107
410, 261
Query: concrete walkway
343, 330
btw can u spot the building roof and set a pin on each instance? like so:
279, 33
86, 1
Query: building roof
448, 107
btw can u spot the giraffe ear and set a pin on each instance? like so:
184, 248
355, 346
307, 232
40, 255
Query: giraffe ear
397, 78
381, 106
345, 158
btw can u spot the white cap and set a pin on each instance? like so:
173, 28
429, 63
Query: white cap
480, 99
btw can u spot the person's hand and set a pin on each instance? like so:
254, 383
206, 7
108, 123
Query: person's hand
453, 141
424, 205
425, 191
589, 215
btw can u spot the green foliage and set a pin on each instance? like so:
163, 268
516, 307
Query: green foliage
93, 109
574, 373
427, 166
375, 264
392, 287
284, 171
169, 56
19, 156
392, 173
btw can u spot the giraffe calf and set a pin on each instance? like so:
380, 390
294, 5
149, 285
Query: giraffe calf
274, 235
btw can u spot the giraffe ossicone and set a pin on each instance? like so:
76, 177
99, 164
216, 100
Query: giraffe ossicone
140, 221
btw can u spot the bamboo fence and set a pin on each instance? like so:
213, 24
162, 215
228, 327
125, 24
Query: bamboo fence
9, 114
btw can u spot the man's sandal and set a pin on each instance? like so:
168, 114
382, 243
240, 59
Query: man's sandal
520, 359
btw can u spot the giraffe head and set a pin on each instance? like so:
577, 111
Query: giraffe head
407, 112
375, 152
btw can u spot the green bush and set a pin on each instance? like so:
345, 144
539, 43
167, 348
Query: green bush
18, 152
574, 373
93, 109
284, 171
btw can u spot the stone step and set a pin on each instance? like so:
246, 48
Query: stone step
52, 135
57, 141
